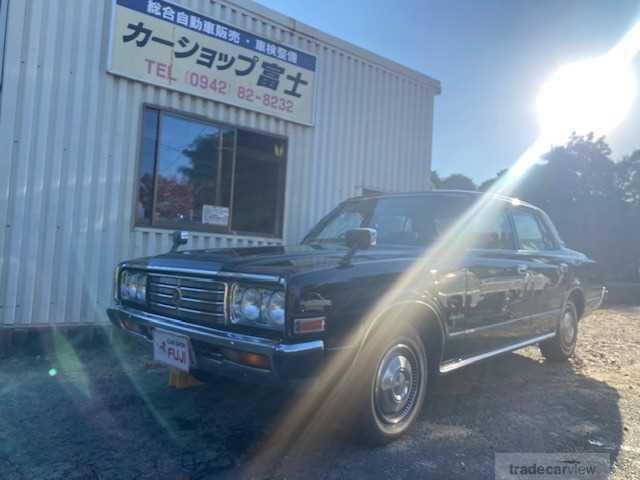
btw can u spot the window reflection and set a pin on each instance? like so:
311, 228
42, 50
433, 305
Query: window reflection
144, 204
259, 184
199, 175
187, 170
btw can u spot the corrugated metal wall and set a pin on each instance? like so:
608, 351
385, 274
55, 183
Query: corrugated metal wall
69, 134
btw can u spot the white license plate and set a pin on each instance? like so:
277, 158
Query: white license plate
172, 349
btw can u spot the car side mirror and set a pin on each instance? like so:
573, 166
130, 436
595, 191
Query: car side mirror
361, 238
358, 239
179, 238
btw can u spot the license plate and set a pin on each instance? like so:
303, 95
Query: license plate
172, 349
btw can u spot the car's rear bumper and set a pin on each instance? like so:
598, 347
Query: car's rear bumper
213, 347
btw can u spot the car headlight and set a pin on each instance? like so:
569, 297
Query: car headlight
250, 304
275, 308
133, 287
258, 307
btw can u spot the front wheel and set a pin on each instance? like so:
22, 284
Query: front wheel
563, 345
396, 375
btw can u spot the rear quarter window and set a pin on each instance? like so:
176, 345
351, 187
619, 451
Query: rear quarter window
531, 231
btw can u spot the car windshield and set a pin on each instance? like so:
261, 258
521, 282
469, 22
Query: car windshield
403, 221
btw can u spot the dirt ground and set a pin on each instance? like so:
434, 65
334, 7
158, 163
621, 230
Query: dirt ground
107, 413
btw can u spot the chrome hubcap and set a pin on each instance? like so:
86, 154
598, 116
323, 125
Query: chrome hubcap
397, 382
567, 328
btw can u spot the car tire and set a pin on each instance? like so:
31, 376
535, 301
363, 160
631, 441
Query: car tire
394, 371
561, 347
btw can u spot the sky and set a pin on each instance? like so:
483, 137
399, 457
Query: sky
491, 58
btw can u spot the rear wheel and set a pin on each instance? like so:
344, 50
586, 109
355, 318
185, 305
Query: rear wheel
563, 345
396, 374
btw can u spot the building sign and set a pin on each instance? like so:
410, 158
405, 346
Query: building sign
165, 44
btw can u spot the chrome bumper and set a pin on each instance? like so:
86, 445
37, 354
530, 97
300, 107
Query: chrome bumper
288, 361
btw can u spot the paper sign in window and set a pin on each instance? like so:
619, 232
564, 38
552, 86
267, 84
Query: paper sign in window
214, 215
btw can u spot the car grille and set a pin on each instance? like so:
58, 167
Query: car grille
190, 299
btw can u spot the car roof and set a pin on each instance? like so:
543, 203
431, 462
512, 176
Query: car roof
452, 193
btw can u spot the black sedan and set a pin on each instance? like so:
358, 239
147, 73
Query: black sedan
383, 294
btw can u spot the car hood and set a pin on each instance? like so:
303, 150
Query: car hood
269, 260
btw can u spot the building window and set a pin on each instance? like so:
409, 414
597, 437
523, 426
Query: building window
199, 175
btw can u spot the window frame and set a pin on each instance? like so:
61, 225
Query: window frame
4, 27
544, 230
208, 229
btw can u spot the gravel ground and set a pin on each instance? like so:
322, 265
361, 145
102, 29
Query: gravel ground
107, 413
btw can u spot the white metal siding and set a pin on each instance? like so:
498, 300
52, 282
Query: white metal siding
70, 132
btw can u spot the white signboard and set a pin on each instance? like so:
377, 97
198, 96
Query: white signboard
165, 44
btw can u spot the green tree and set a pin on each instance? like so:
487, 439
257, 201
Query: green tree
202, 174
436, 181
487, 184
455, 181
628, 178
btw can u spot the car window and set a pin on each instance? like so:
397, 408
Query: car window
393, 228
409, 221
531, 235
346, 220
494, 233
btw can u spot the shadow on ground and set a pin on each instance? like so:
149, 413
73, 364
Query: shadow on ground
108, 413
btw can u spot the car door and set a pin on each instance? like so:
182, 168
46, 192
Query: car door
544, 267
494, 288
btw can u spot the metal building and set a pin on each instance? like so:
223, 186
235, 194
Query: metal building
123, 120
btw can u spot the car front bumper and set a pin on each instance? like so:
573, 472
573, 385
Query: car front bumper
287, 361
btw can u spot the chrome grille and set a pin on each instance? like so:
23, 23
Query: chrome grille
191, 299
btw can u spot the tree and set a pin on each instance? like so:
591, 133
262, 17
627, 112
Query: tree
174, 199
628, 178
202, 174
436, 181
487, 184
456, 181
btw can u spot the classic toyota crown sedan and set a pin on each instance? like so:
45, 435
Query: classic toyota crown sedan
386, 291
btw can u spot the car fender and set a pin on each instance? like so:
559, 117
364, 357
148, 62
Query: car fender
431, 314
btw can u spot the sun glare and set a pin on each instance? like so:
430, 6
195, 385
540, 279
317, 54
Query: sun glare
593, 95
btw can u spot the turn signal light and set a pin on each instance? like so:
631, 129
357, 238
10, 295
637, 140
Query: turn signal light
254, 360
308, 325
134, 327
247, 358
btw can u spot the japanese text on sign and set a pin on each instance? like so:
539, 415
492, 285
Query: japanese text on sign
164, 44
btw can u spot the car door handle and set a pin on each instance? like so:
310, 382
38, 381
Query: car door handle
522, 269
564, 268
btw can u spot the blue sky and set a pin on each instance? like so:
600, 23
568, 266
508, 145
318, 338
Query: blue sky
491, 57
